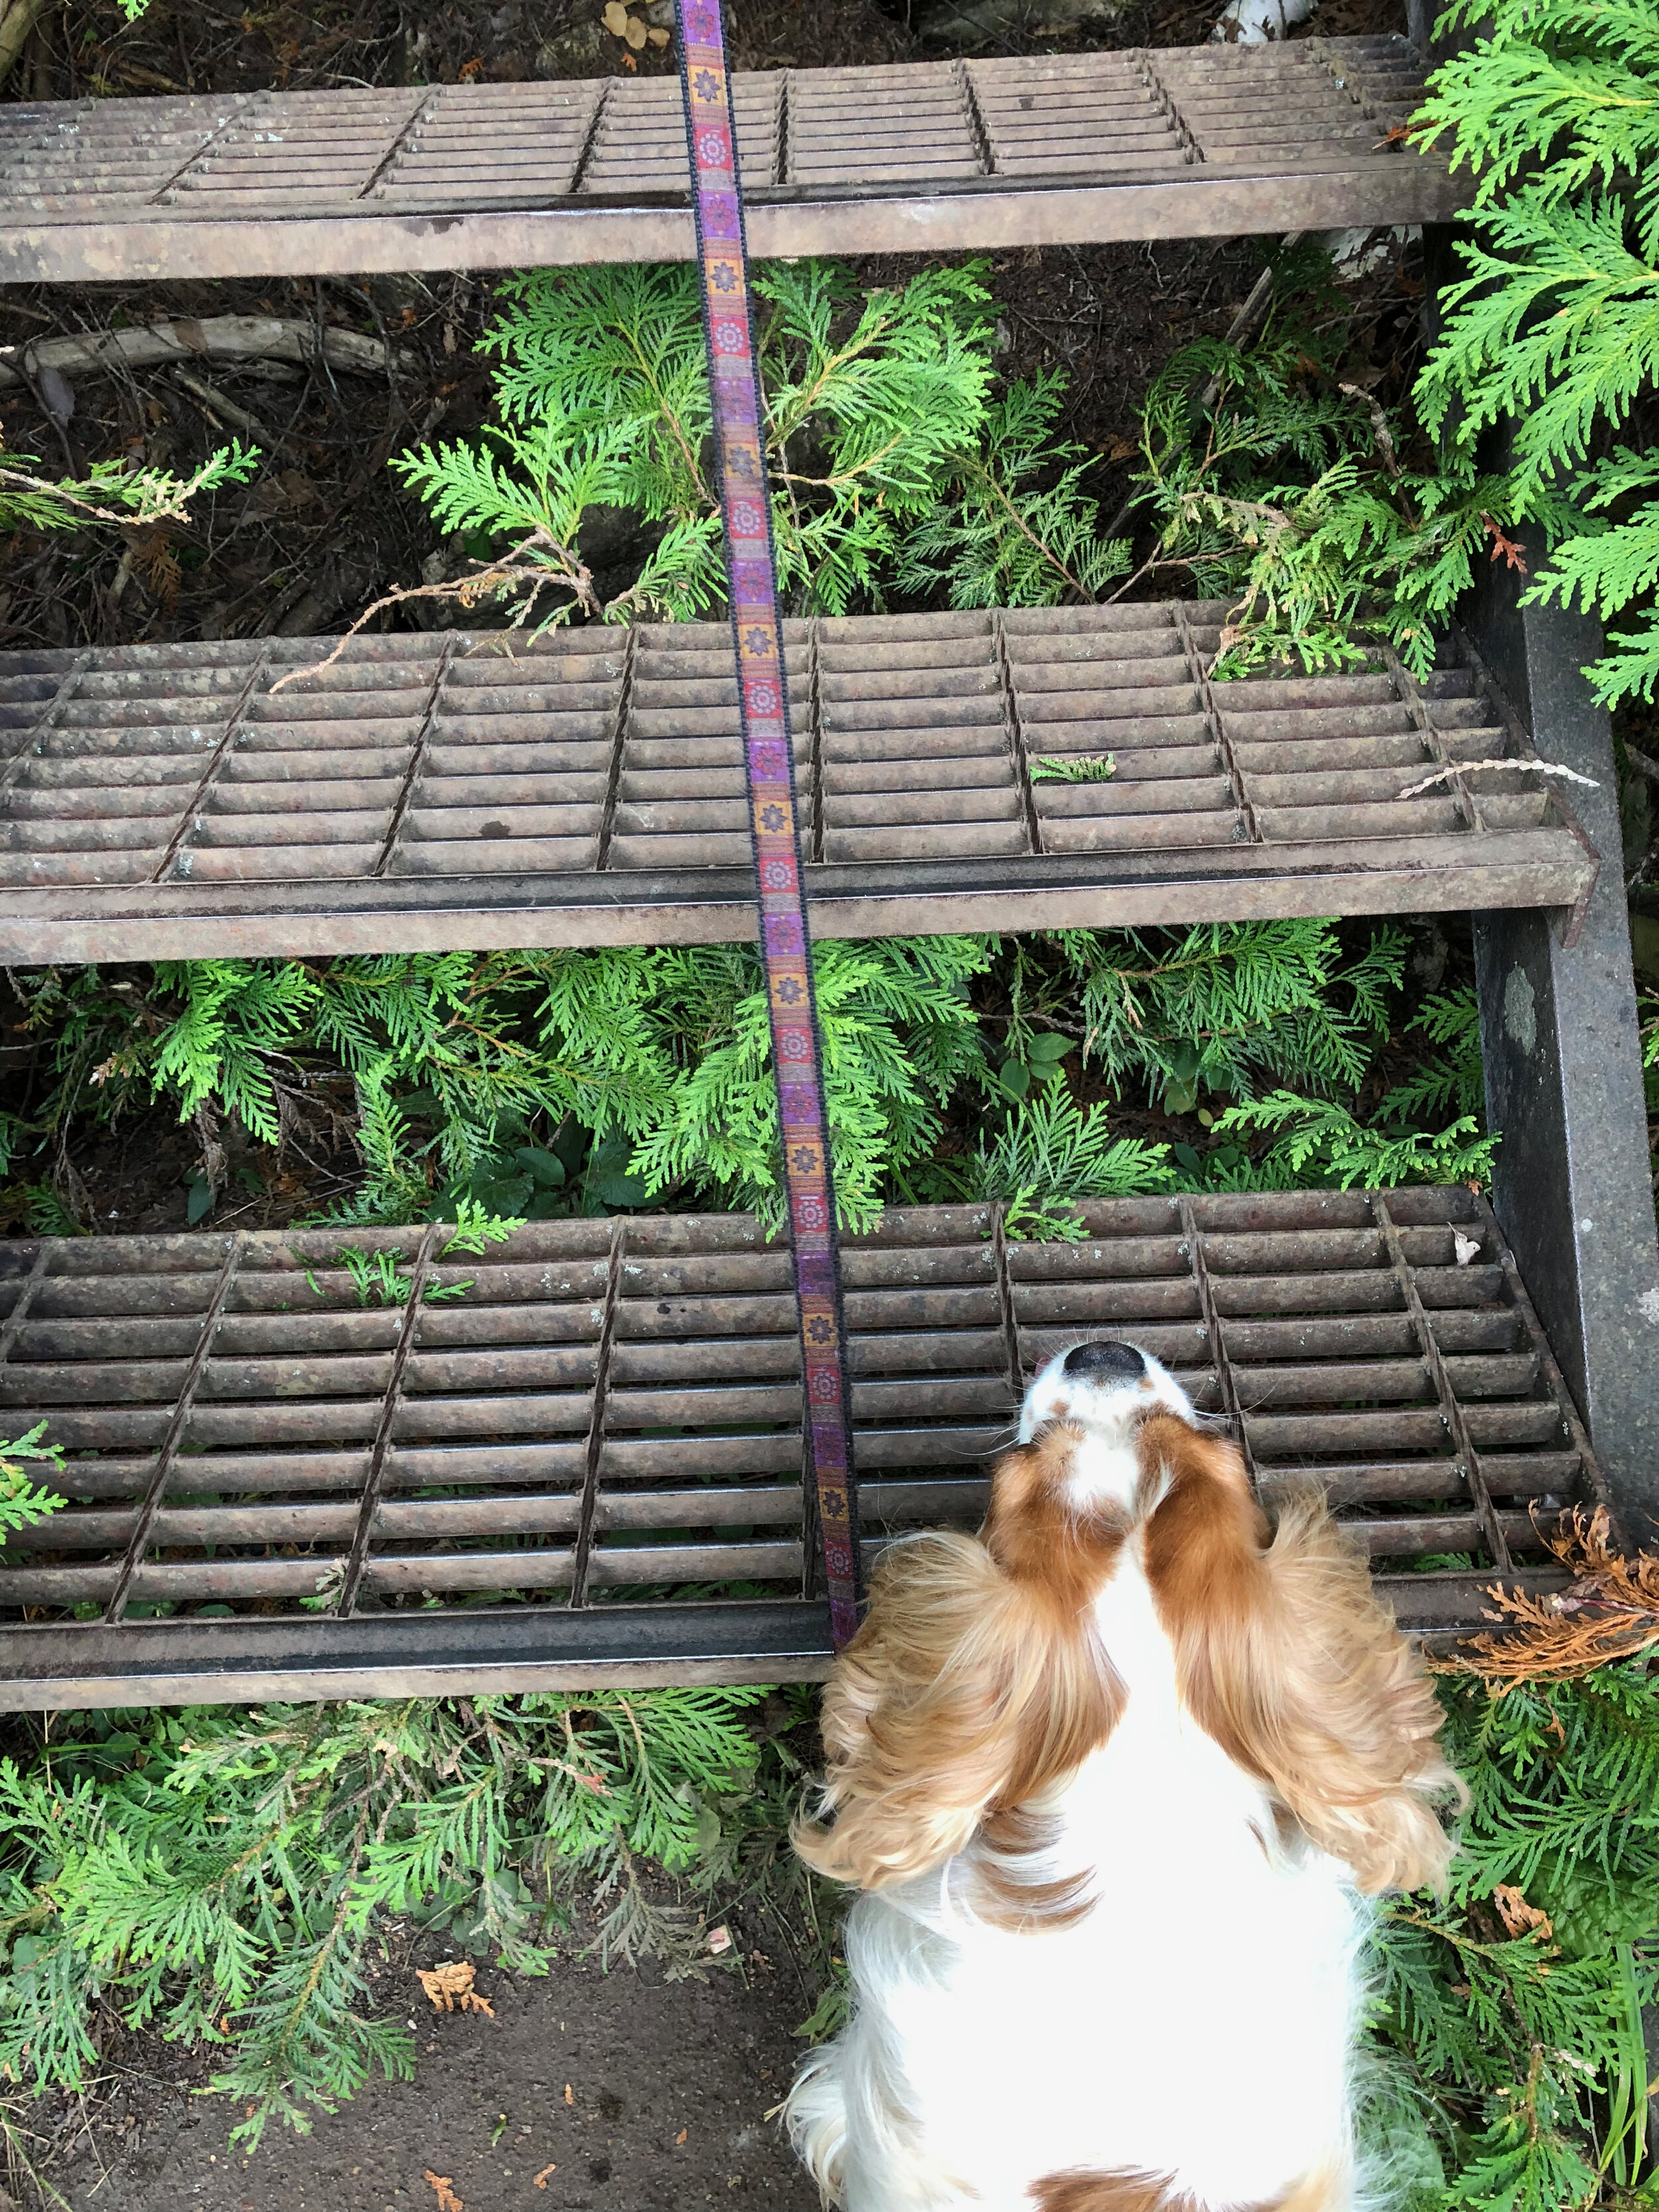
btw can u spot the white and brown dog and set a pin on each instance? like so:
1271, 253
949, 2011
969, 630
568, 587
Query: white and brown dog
1116, 1777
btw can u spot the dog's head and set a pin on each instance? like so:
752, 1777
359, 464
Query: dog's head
980, 1680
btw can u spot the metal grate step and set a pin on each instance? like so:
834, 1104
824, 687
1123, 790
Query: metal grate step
177, 801
578, 1458
1213, 141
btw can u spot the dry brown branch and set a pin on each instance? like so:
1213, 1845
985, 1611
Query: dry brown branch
16, 23
216, 337
1379, 429
517, 571
1610, 1612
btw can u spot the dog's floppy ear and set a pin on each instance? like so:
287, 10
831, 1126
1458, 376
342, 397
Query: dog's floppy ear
1287, 1660
971, 1685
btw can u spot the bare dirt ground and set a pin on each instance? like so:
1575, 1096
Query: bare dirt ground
587, 2092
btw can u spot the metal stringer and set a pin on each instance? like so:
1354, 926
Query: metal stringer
774, 817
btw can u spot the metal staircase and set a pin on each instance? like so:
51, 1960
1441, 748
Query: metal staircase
277, 1490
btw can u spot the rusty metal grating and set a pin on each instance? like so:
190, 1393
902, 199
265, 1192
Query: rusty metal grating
578, 1458
170, 801
926, 156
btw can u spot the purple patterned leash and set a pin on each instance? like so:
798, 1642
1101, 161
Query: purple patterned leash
774, 818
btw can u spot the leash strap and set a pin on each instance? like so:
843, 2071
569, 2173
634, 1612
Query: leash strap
774, 818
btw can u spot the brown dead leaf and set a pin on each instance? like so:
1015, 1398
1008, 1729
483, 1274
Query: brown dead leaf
450, 1987
628, 62
156, 566
447, 2200
680, 2138
190, 333
1509, 551
1519, 1917
540, 2178
468, 70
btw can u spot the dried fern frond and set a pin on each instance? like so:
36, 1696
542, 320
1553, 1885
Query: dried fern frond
1610, 1612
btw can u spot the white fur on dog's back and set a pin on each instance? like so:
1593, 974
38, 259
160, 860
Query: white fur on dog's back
1196, 2024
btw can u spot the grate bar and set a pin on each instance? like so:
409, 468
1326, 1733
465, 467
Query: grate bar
149, 1504
420, 1274
417, 767
1192, 1237
1457, 1426
589, 1503
209, 775
1573, 1431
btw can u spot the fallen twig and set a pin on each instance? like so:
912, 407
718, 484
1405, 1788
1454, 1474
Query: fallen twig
225, 410
169, 503
216, 337
1470, 767
15, 25
1379, 430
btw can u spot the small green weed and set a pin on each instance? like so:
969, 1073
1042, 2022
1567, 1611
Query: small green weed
1073, 768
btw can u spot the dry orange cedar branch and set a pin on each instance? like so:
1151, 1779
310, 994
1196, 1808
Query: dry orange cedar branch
1610, 1612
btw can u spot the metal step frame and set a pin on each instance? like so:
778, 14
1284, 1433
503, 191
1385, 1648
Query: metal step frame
1193, 142
579, 1456
586, 786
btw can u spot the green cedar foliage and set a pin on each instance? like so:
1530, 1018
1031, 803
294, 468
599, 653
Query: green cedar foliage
527, 1085
1279, 487
892, 466
23, 1504
649, 1071
113, 493
1215, 1007
1556, 326
1524, 2053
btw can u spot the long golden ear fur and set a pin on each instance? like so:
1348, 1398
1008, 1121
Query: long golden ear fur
1289, 1662
972, 1686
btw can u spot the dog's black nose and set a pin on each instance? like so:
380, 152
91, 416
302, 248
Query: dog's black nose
1106, 1361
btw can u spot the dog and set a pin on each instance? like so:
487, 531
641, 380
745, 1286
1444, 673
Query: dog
1118, 1778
